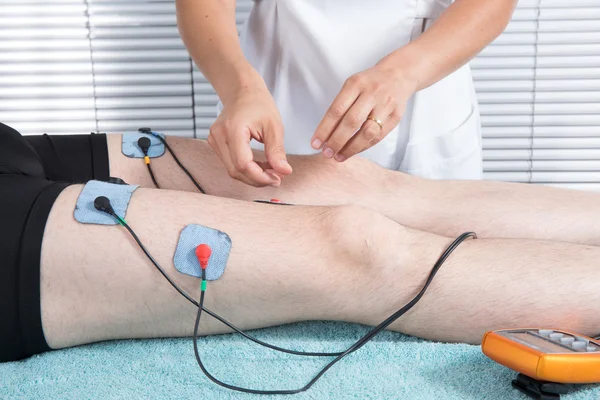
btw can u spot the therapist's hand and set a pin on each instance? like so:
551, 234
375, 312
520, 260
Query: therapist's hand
250, 114
380, 93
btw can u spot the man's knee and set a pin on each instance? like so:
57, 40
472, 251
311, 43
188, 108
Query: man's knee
364, 238
374, 255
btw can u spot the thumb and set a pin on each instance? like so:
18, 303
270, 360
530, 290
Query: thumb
275, 151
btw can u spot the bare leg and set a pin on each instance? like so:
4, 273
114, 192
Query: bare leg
492, 209
301, 263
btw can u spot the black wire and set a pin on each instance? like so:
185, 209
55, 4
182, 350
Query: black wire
179, 162
338, 355
212, 314
360, 343
152, 176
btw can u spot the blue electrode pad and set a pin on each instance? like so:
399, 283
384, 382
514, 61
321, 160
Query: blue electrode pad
192, 236
119, 196
131, 149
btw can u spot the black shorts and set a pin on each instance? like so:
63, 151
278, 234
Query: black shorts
34, 170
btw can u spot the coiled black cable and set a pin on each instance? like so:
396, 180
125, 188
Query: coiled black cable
360, 343
338, 355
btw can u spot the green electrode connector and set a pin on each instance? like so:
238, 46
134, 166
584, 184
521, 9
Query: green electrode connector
203, 286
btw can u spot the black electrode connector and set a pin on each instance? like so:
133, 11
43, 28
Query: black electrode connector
144, 144
116, 181
102, 203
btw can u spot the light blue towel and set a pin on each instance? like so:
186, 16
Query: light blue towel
393, 366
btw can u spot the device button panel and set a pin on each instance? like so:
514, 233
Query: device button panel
568, 340
565, 340
579, 345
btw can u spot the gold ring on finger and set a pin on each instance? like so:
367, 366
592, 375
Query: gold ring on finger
377, 121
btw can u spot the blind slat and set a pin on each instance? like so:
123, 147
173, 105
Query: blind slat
544, 177
543, 143
541, 154
541, 120
544, 166
540, 109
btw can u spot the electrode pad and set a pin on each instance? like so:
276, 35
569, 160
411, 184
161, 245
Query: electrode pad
131, 149
192, 236
119, 196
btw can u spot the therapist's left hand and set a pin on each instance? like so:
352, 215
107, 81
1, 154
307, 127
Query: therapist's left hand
372, 97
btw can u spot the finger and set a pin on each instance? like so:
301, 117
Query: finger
350, 124
244, 167
211, 142
334, 114
275, 151
368, 136
217, 143
267, 168
235, 174
263, 164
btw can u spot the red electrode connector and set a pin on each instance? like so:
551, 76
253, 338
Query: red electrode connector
203, 253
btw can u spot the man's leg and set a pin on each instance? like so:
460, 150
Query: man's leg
301, 263
492, 209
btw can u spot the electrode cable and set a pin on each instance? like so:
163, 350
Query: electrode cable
357, 345
164, 142
338, 355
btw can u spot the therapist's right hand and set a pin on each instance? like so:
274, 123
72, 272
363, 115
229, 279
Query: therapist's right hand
250, 114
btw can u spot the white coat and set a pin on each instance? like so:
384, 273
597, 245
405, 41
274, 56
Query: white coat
306, 49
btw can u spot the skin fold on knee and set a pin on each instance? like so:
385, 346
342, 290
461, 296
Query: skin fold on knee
377, 269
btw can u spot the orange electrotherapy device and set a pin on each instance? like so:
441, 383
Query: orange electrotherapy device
546, 359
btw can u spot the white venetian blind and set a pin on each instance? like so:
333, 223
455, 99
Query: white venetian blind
539, 89
75, 66
142, 71
143, 74
46, 82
